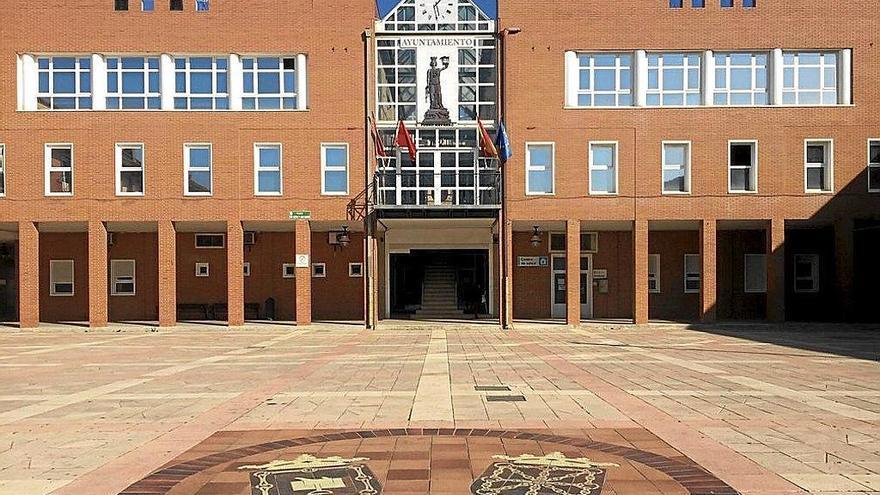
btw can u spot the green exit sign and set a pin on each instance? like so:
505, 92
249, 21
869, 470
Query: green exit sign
300, 215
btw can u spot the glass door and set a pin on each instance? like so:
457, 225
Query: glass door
558, 286
586, 286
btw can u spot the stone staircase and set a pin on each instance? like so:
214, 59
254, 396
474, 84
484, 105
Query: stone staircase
439, 296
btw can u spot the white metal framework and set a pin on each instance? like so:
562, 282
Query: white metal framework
130, 169
605, 79
64, 83
418, 15
58, 158
270, 83
741, 78
810, 78
201, 83
133, 83
674, 79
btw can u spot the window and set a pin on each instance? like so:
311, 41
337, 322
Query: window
742, 159
476, 81
202, 6
210, 241
727, 3
334, 169
654, 273
589, 242
675, 4
741, 79
60, 277
355, 270
269, 83
539, 168
673, 79
129, 170
319, 270
198, 177
267, 169
558, 242
2, 170
603, 168
247, 268
873, 165
605, 80
749, 3
396, 82
691, 273
201, 83
288, 270
65, 83
121, 5
755, 274
176, 5
203, 270
806, 273
59, 169
819, 171
148, 5
122, 278
698, 4
676, 167
133, 83
809, 78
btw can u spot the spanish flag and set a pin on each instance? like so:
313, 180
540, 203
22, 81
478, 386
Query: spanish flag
487, 147
405, 140
377, 139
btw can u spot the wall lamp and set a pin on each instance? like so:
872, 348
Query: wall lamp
343, 238
536, 236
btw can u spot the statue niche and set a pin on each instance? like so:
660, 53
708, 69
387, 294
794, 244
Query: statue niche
436, 114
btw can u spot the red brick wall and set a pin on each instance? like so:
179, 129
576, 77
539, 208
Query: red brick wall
614, 255
338, 296
199, 290
672, 303
733, 302
271, 251
531, 286
143, 248
65, 246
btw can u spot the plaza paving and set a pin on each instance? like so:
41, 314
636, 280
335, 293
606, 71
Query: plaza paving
755, 408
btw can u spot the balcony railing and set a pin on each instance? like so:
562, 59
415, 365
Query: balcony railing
457, 188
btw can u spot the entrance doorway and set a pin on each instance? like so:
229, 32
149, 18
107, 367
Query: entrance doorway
558, 286
430, 283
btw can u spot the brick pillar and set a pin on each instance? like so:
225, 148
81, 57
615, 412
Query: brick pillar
98, 281
573, 272
708, 249
28, 275
371, 287
640, 272
303, 273
507, 276
167, 274
235, 273
776, 270
844, 266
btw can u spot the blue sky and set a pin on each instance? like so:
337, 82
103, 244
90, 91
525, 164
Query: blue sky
488, 6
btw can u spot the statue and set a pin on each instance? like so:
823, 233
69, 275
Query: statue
436, 114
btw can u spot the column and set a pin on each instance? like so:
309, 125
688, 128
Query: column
302, 83
572, 79
234, 273
30, 82
844, 77
844, 267
371, 315
708, 78
573, 272
640, 272
98, 282
99, 82
167, 274
166, 81
507, 275
236, 81
778, 76
708, 248
303, 273
28, 275
776, 270
640, 71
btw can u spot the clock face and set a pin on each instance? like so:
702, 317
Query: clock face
436, 10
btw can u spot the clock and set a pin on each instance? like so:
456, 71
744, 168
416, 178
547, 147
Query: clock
440, 11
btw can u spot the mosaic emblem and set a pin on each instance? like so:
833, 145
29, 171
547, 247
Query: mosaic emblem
552, 474
310, 475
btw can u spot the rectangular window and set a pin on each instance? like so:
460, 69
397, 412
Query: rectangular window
727, 3
749, 3
288, 270
2, 170
396, 82
148, 5
356, 270
873, 165
589, 242
334, 169
60, 277
269, 83
818, 166
121, 5
65, 83
133, 83
674, 79
654, 273
201, 83
122, 278
247, 268
806, 273
742, 159
691, 273
197, 165
605, 80
267, 169
202, 6
698, 4
809, 78
540, 158
558, 242
676, 167
129, 169
203, 270
603, 168
755, 274
741, 79
176, 5
319, 270
210, 241
675, 4
59, 169
476, 82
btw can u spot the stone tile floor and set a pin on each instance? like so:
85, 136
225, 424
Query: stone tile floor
765, 409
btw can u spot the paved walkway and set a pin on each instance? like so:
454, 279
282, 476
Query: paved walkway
763, 409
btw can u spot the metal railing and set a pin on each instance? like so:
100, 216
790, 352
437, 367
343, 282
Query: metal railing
477, 187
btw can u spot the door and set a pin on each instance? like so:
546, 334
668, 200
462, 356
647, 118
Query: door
586, 286
557, 289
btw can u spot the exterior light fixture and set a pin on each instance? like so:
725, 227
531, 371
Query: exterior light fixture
343, 238
536, 236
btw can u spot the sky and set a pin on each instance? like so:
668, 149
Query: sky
488, 6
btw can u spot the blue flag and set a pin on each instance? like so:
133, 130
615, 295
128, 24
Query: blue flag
502, 143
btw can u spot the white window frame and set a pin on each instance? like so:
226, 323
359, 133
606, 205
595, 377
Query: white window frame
144, 72
593, 243
828, 143
351, 272
144, 6
690, 275
208, 234
753, 169
618, 69
753, 67
762, 288
281, 71
614, 167
47, 157
325, 169
319, 270
120, 169
3, 170
288, 266
686, 66
656, 274
814, 273
53, 282
188, 95
872, 165
529, 168
187, 169
206, 266
687, 165
247, 268
796, 65
115, 279
258, 168
77, 95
